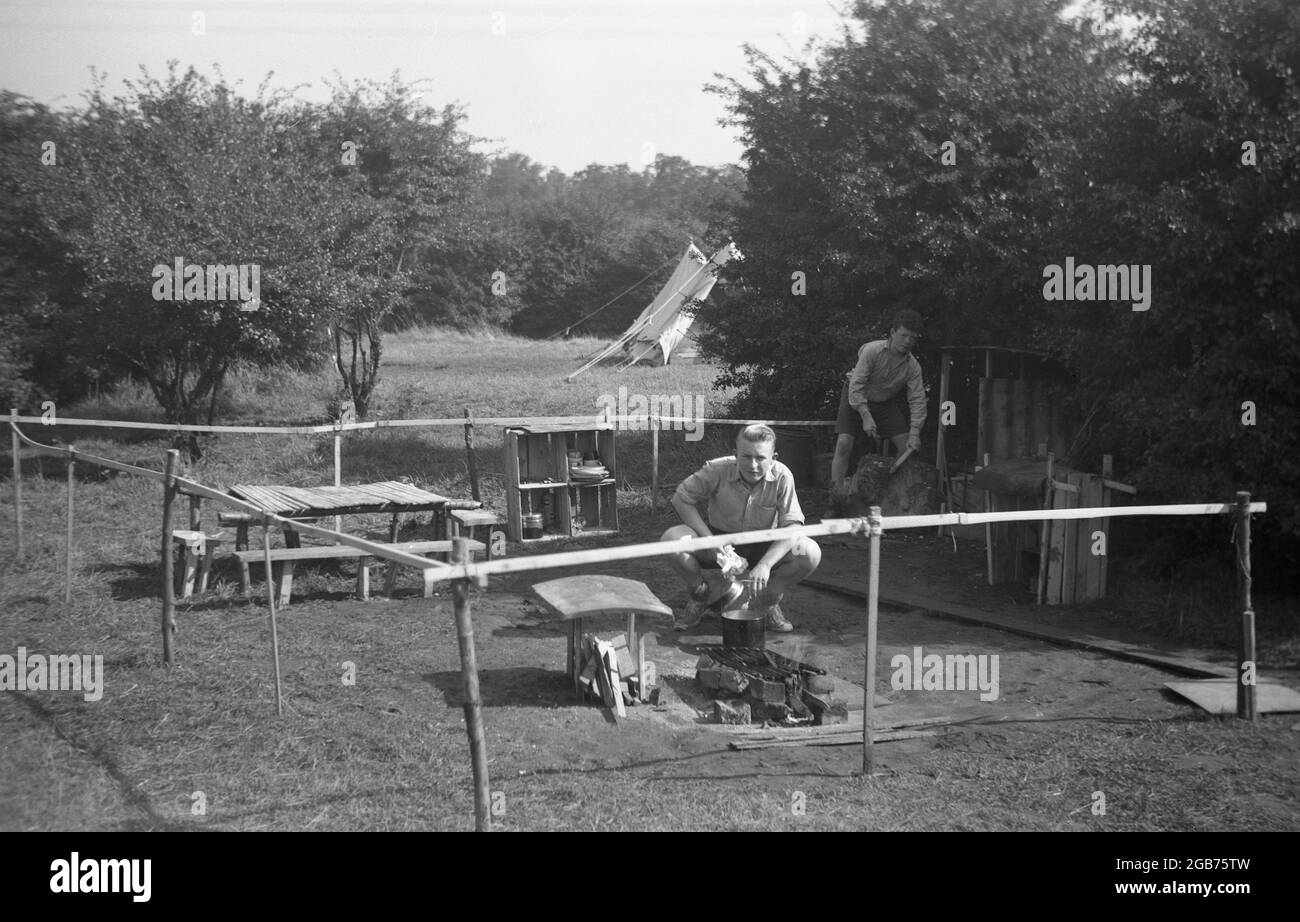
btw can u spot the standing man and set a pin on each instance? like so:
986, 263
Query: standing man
748, 491
884, 395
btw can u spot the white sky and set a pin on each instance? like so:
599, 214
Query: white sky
567, 82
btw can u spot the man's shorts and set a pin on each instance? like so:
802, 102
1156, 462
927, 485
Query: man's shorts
893, 416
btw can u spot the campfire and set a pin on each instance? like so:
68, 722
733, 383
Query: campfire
759, 686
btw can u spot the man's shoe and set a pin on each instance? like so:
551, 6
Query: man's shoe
698, 604
776, 620
690, 616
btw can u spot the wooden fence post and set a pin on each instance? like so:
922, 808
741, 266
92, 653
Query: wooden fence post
270, 602
169, 582
471, 460
18, 485
67, 571
873, 610
1246, 683
338, 467
473, 706
654, 464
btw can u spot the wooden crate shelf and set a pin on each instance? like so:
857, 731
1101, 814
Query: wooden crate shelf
534, 455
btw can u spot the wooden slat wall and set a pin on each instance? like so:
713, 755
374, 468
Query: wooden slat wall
1088, 572
1021, 447
1000, 419
1039, 415
982, 440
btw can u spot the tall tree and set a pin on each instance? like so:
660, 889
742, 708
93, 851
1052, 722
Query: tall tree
185, 169
912, 164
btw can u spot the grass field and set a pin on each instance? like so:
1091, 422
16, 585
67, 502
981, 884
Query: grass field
389, 752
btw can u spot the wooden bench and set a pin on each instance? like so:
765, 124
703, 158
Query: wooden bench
470, 519
574, 598
199, 550
287, 556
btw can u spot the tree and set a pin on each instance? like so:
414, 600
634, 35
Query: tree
186, 169
403, 178
1195, 171
914, 164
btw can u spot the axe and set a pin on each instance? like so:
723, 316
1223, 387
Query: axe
898, 462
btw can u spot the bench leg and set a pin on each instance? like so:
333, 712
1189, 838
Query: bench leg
636, 647
191, 568
390, 580
286, 581
428, 583
244, 580
205, 567
363, 578
575, 654
453, 532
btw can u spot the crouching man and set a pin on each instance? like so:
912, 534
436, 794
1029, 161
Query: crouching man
749, 491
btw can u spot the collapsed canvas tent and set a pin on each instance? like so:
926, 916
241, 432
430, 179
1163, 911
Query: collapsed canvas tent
659, 328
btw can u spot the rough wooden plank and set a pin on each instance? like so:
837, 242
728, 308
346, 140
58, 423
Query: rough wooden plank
1095, 496
1055, 550
325, 552
1219, 696
1021, 446
1070, 546
597, 594
843, 739
1000, 417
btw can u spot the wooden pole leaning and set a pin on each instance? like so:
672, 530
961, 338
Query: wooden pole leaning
471, 462
168, 558
988, 527
18, 485
270, 604
67, 569
1045, 531
869, 670
1246, 668
460, 554
654, 464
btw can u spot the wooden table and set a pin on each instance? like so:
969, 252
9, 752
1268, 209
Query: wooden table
574, 598
390, 496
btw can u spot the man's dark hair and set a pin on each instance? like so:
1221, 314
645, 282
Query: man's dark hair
907, 318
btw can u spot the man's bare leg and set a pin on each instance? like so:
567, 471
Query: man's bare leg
797, 565
840, 461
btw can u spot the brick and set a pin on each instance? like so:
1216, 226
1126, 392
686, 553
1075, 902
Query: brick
731, 680
729, 713
709, 678
767, 692
825, 709
819, 684
776, 712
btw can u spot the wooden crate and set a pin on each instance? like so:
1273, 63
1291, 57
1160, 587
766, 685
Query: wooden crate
537, 480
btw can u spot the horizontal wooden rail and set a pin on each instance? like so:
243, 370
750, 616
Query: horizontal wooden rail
480, 571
